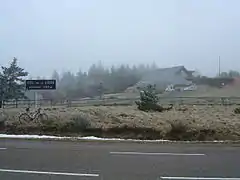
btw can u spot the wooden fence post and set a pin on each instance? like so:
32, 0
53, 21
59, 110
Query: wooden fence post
29, 103
69, 103
16, 103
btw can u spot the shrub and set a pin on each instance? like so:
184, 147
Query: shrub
2, 125
80, 122
149, 100
177, 131
183, 131
77, 123
237, 110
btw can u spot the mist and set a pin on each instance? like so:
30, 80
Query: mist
68, 35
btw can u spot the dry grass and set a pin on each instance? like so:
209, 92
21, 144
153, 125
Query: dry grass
184, 123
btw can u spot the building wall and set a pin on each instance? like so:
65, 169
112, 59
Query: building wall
163, 80
164, 77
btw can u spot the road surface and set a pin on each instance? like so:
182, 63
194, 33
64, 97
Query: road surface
59, 160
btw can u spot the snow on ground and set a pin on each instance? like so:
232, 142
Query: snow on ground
93, 138
77, 138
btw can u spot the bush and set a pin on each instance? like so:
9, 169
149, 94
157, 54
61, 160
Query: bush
3, 119
237, 110
149, 100
2, 125
178, 130
181, 131
80, 122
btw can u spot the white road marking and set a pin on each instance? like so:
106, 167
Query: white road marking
48, 173
199, 178
158, 154
3, 148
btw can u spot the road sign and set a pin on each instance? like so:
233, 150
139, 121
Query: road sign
49, 84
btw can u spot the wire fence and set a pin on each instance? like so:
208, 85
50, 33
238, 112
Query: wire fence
122, 101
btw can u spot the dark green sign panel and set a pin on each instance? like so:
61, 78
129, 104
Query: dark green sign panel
41, 84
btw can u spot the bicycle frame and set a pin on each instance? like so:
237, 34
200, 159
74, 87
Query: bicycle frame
35, 115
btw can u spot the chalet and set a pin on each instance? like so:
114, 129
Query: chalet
163, 77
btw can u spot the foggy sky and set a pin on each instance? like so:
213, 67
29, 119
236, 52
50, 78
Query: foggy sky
71, 34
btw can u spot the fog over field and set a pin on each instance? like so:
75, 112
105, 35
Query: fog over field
72, 34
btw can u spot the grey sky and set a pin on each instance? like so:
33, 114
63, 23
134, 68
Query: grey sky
73, 34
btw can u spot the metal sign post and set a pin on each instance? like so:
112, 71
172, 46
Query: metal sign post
35, 99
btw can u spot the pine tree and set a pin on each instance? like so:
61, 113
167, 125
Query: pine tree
148, 99
2, 89
56, 76
12, 81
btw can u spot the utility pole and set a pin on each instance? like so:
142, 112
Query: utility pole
219, 66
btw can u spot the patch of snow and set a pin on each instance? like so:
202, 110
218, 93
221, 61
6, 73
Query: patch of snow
78, 138
95, 138
30, 136
119, 139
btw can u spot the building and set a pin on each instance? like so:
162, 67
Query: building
177, 76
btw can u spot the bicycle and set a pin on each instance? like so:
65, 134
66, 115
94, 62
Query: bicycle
3, 116
29, 116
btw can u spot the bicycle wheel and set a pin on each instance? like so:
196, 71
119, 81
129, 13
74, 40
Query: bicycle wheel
3, 119
24, 117
42, 117
3, 116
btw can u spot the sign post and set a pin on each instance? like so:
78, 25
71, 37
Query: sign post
35, 99
49, 84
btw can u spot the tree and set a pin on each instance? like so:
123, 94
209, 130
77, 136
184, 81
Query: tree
99, 79
12, 82
149, 100
224, 74
231, 74
2, 85
55, 76
153, 66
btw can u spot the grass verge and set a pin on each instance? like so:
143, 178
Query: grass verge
203, 123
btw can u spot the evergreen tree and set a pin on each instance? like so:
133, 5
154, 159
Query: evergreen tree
233, 73
2, 85
148, 99
55, 76
99, 79
12, 82
153, 66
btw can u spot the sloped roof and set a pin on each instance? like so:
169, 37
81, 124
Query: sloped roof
172, 69
166, 76
165, 72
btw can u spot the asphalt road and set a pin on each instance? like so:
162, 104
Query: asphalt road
55, 160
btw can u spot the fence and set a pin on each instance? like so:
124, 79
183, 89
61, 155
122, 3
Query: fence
122, 101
